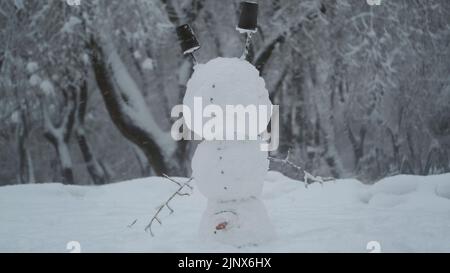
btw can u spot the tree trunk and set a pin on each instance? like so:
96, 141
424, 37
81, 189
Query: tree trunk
124, 115
26, 169
98, 174
63, 155
146, 169
59, 135
357, 144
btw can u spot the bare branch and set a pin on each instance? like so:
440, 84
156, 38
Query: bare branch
132, 224
178, 192
308, 177
176, 182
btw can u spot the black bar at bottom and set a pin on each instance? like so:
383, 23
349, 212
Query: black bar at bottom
222, 262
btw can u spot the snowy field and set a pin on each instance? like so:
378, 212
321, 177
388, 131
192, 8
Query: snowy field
403, 213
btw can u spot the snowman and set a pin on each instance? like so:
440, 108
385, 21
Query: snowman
230, 173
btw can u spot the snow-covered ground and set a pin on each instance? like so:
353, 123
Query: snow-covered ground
402, 213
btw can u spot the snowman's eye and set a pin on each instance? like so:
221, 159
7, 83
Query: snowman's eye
211, 99
213, 86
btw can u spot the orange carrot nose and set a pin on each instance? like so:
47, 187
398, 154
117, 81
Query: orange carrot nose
221, 226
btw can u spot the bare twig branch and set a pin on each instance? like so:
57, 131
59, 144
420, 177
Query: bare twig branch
178, 192
132, 224
171, 210
176, 182
306, 175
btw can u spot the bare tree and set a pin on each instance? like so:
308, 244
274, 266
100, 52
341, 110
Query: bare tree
97, 171
59, 133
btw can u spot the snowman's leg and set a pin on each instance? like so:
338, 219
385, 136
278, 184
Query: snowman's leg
248, 41
194, 60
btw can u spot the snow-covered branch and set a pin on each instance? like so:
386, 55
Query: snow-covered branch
127, 106
264, 54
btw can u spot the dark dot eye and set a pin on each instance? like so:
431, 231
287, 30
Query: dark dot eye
211, 99
213, 86
225, 188
220, 158
222, 172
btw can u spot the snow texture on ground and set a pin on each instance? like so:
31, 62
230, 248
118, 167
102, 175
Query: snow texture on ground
402, 213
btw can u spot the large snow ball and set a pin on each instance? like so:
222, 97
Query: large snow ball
239, 223
226, 82
227, 170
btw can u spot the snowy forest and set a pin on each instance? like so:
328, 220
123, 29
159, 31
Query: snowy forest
86, 90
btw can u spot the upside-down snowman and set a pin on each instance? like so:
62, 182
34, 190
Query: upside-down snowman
230, 173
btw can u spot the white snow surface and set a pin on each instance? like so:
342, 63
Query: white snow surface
403, 213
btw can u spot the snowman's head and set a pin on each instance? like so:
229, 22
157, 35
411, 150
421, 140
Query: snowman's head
227, 83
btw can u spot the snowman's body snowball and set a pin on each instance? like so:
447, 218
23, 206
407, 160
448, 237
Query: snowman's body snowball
238, 223
227, 170
230, 173
227, 81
